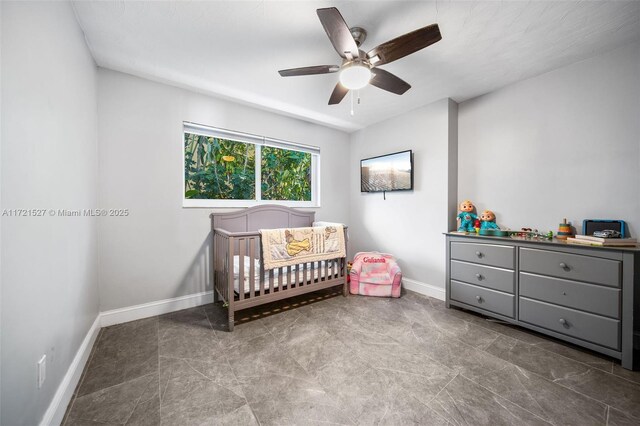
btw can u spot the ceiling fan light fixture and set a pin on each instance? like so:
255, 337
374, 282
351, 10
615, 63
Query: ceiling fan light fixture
355, 76
359, 68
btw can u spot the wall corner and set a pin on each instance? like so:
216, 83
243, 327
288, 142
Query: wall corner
452, 166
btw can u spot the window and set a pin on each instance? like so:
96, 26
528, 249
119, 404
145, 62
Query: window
224, 168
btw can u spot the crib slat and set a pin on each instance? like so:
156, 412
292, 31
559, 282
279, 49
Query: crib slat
261, 282
280, 276
270, 281
288, 277
241, 247
297, 283
304, 274
252, 267
326, 269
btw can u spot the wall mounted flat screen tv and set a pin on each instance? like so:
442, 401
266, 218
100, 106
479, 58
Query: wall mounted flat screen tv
392, 172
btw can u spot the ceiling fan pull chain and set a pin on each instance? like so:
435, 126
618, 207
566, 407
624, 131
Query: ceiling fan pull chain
352, 113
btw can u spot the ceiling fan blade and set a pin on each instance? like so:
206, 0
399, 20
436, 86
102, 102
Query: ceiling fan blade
338, 32
338, 94
317, 69
389, 82
404, 45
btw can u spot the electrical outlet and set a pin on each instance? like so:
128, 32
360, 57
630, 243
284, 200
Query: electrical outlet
42, 370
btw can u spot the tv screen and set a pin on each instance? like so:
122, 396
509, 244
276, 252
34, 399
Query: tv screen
392, 172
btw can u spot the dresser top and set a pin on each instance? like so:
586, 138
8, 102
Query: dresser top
553, 242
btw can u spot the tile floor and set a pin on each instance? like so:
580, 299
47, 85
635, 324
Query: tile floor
326, 359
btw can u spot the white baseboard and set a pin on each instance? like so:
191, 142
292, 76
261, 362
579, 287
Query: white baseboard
151, 309
55, 413
58, 406
423, 288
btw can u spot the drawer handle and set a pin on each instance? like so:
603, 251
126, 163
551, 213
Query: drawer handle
479, 254
564, 266
479, 277
479, 299
564, 322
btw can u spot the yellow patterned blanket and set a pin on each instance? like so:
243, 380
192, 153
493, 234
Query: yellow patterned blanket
290, 246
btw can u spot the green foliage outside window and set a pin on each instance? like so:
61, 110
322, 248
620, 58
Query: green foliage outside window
219, 169
286, 174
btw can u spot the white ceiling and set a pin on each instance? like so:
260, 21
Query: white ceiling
233, 49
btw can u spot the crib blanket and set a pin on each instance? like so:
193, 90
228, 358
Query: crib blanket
290, 246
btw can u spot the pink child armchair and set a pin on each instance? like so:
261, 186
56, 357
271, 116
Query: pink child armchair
375, 274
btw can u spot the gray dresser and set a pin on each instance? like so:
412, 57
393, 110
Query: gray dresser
589, 296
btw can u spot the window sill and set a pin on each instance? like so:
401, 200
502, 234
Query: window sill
189, 203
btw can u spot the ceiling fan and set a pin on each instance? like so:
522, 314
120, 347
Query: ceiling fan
359, 68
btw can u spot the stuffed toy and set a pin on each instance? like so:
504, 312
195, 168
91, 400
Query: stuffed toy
466, 216
488, 220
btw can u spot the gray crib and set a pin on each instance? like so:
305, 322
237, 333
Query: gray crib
240, 280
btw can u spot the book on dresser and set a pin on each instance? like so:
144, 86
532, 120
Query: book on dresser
590, 240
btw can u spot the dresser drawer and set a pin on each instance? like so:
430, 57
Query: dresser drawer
490, 300
485, 254
484, 276
593, 298
592, 328
571, 266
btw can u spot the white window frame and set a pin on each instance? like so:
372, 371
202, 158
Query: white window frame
259, 142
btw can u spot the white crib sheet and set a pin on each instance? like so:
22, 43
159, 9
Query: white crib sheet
247, 267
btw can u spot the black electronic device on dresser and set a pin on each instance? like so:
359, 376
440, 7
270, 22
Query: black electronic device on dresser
589, 296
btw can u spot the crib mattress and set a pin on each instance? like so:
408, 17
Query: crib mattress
247, 266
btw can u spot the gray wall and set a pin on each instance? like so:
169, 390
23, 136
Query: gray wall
563, 144
49, 160
408, 224
1, 207
160, 250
